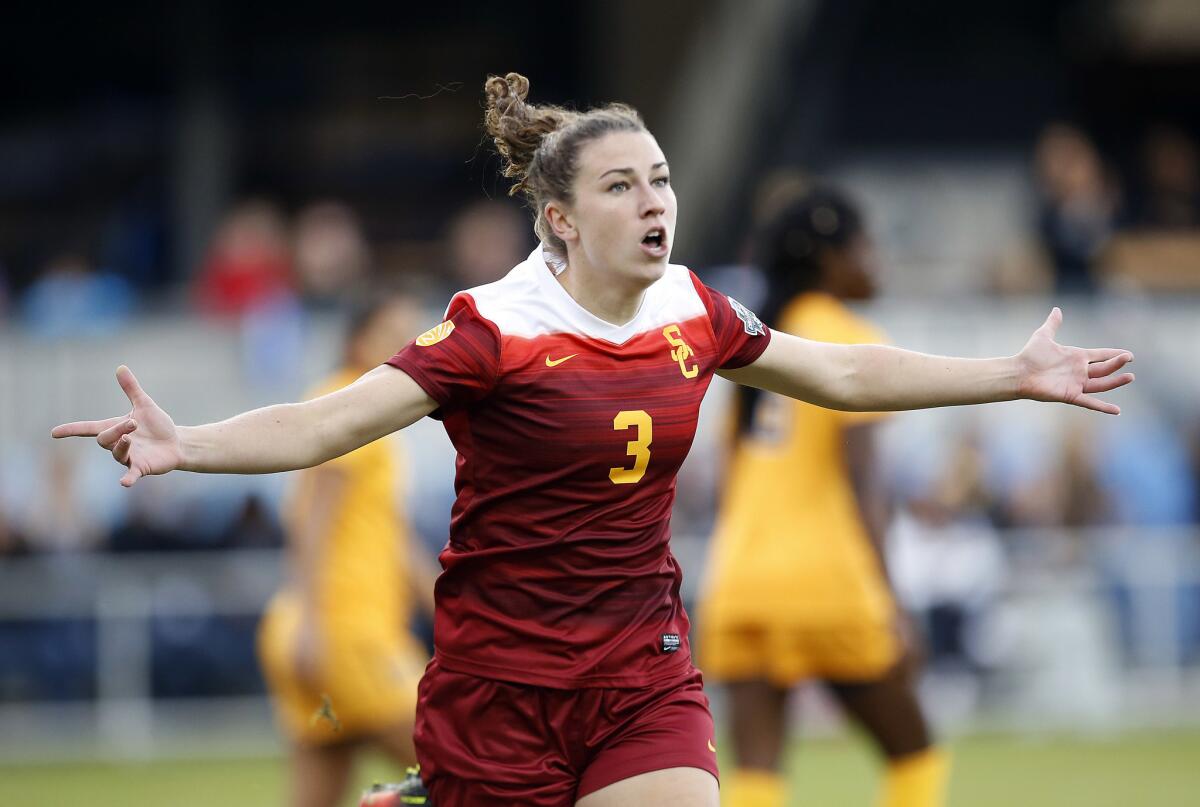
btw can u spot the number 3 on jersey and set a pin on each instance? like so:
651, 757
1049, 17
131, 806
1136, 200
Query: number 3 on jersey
638, 448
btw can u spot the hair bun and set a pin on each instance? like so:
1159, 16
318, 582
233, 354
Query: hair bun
504, 93
516, 127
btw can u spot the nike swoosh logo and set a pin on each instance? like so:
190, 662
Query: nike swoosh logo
556, 362
712, 747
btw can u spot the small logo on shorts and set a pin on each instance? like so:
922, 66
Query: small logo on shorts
670, 642
712, 747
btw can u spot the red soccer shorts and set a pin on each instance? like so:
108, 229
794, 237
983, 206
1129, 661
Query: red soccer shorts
487, 742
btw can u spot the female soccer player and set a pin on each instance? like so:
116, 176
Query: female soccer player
803, 512
570, 388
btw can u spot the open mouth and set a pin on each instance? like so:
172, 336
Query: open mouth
655, 241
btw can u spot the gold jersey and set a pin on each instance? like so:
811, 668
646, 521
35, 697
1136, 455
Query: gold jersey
789, 547
363, 577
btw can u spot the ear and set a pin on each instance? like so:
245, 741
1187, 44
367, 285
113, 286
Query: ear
561, 222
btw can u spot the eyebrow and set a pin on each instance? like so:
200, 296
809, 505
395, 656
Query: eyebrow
654, 167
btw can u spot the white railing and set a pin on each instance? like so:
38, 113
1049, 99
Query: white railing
120, 595
1060, 664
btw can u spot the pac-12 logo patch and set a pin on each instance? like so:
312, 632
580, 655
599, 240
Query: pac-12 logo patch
435, 334
753, 324
670, 642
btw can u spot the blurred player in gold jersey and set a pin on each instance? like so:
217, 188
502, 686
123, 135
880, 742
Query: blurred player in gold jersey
334, 643
797, 588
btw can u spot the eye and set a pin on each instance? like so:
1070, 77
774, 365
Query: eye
619, 186
661, 182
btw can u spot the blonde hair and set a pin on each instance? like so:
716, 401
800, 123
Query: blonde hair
540, 144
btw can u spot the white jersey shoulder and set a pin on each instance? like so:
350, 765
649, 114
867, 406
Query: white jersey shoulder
529, 302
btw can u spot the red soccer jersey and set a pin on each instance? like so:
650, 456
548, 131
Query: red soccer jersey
569, 432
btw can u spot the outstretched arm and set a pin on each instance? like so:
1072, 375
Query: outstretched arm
875, 378
282, 437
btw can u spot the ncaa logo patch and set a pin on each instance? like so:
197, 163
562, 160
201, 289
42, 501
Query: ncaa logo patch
435, 334
752, 324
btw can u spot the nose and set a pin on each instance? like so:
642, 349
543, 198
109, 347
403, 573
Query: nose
651, 204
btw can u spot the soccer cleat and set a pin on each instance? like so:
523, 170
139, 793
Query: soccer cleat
410, 791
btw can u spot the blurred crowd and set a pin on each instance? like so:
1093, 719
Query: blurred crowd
1109, 223
265, 273
320, 258
963, 514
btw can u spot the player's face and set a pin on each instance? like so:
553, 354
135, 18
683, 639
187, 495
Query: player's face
623, 215
855, 269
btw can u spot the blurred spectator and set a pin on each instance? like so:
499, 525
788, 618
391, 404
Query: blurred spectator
1162, 251
1193, 443
57, 520
1146, 468
254, 525
332, 255
70, 297
248, 275
153, 521
249, 265
12, 540
134, 240
1169, 198
946, 559
1069, 492
1079, 203
484, 240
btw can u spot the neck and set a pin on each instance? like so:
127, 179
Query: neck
612, 299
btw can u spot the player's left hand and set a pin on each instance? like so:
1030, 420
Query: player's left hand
1049, 371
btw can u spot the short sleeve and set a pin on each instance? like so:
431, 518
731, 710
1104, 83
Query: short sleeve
741, 336
456, 361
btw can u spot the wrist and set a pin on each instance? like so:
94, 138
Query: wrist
187, 448
1011, 375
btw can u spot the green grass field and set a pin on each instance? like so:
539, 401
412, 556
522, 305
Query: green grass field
1161, 769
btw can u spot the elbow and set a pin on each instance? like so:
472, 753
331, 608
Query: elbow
317, 442
855, 385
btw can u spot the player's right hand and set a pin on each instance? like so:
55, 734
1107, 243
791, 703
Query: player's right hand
306, 653
145, 441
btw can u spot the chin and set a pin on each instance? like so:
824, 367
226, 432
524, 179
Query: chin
652, 269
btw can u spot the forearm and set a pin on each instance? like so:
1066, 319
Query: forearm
875, 378
883, 379
282, 437
285, 437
